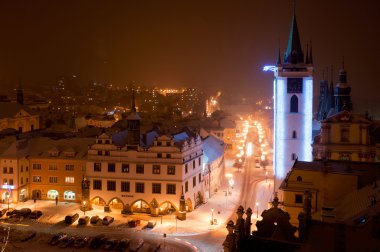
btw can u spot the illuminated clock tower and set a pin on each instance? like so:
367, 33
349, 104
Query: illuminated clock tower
293, 106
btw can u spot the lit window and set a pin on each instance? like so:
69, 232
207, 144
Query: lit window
69, 180
37, 179
156, 169
125, 168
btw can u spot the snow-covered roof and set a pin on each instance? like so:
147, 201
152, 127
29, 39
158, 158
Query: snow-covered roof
356, 202
120, 138
180, 136
150, 136
39, 147
213, 148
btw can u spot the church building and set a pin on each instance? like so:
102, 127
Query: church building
293, 105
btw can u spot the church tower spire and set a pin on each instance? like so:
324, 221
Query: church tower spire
342, 92
294, 53
133, 127
293, 107
278, 60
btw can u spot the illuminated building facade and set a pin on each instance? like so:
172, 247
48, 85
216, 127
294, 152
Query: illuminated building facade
57, 168
17, 116
340, 191
293, 108
148, 176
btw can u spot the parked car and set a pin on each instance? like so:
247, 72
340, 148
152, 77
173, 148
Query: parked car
2, 212
28, 236
123, 245
110, 244
70, 219
10, 212
80, 242
136, 244
57, 238
83, 220
151, 224
133, 223
35, 214
24, 212
97, 241
66, 242
94, 219
107, 220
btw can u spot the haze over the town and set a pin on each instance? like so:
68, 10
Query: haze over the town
215, 44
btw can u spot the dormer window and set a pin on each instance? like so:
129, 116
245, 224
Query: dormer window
107, 141
53, 152
99, 141
167, 143
159, 143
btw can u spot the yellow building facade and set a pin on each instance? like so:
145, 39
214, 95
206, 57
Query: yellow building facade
57, 168
346, 136
15, 116
328, 182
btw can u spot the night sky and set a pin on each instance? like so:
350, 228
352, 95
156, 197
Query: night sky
221, 44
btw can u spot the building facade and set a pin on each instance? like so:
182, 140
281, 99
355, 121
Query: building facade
14, 170
328, 184
147, 178
15, 116
346, 136
57, 168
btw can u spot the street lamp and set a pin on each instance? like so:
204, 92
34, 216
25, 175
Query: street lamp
212, 216
266, 176
161, 214
84, 208
8, 200
257, 210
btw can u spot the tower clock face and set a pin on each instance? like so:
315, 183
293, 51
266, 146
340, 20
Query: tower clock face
294, 85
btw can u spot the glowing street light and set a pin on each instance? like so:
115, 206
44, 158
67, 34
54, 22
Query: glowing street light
212, 216
161, 214
266, 176
8, 200
84, 207
257, 210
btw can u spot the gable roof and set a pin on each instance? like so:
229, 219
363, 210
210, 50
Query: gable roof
10, 109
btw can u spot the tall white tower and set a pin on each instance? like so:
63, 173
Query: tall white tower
293, 106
